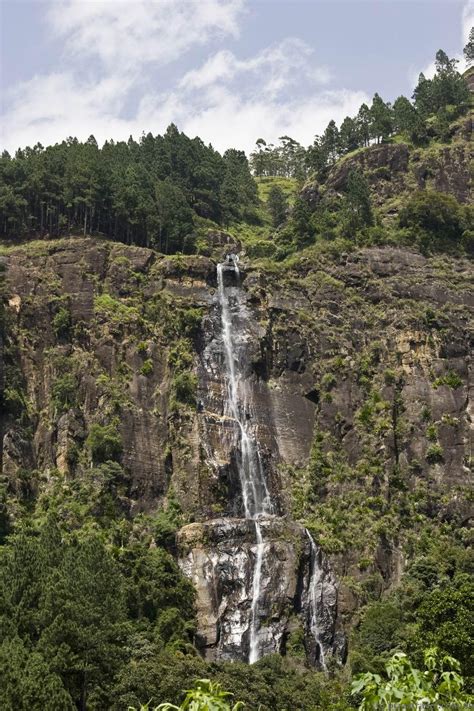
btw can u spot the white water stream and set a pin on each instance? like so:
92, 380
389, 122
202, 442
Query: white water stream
255, 494
315, 602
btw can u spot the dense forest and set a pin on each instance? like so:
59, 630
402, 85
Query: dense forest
143, 193
95, 612
154, 192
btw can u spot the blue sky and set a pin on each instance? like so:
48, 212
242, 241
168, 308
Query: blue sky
227, 70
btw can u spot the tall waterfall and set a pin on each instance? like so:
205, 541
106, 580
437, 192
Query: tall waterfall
242, 582
255, 494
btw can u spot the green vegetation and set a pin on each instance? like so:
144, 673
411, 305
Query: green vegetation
451, 379
62, 322
469, 48
147, 367
147, 192
430, 220
162, 192
277, 205
206, 696
185, 386
104, 443
435, 220
94, 611
440, 684
64, 393
444, 97
73, 612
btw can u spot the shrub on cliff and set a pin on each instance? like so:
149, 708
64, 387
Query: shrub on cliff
434, 220
104, 443
64, 393
184, 387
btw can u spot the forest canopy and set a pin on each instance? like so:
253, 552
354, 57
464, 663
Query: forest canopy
145, 193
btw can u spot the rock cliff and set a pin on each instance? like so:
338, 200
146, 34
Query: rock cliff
395, 170
359, 366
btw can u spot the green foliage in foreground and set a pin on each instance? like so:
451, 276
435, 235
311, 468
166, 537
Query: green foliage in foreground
74, 612
95, 615
206, 696
440, 684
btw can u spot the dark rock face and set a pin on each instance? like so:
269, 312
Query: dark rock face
222, 243
311, 195
101, 344
450, 173
469, 78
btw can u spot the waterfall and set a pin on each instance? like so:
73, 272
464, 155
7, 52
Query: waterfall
320, 592
314, 598
257, 576
255, 494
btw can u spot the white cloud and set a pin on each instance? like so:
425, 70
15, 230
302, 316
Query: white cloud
232, 120
228, 100
49, 108
467, 20
271, 70
126, 34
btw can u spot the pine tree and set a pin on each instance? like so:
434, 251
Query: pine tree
81, 616
358, 208
330, 142
382, 122
349, 136
468, 50
404, 115
423, 96
174, 217
448, 87
28, 681
301, 219
80, 187
317, 157
364, 122
277, 205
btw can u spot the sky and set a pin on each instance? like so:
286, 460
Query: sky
230, 71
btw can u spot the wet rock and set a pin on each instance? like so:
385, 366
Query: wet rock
219, 557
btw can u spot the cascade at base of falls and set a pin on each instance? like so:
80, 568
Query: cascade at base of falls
254, 651
258, 575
